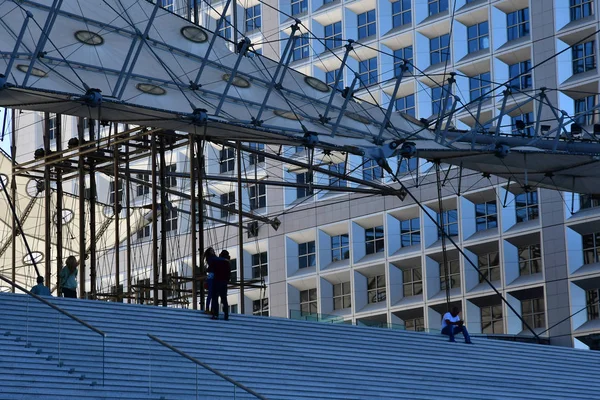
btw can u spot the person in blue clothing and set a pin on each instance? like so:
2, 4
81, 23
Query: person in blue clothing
68, 278
209, 254
40, 289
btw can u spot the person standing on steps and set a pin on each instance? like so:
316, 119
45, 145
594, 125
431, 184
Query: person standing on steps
221, 267
209, 254
68, 278
452, 324
40, 289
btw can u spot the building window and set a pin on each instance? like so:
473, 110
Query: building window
253, 18
584, 111
450, 225
491, 319
304, 191
170, 219
167, 4
581, 9
301, 49
299, 6
341, 296
142, 189
258, 196
517, 24
371, 170
437, 6
339, 168
453, 275
119, 197
307, 254
533, 312
333, 35
308, 302
260, 307
412, 282
330, 79
259, 265
227, 200
376, 289
254, 159
438, 96
593, 304
52, 122
480, 86
407, 165
340, 247
478, 37
584, 57
225, 30
520, 75
233, 309
439, 49
489, 266
143, 232
367, 72
374, 240
530, 260
526, 205
401, 56
415, 324
527, 127
401, 13
366, 24
589, 201
226, 159
406, 105
233, 272
591, 248
486, 215
170, 180
410, 232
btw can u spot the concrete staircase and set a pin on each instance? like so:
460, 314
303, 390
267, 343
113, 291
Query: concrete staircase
277, 358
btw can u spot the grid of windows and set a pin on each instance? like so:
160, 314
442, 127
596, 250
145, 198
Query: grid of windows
307, 254
259, 265
367, 71
376, 289
438, 95
227, 200
453, 275
489, 266
226, 159
406, 105
299, 6
584, 57
580, 9
171, 181
486, 215
407, 165
437, 6
170, 219
403, 55
142, 189
330, 79
308, 301
301, 49
341, 296
410, 232
517, 24
366, 24
119, 195
584, 110
301, 192
592, 300
450, 223
260, 307
479, 86
533, 312
478, 37
401, 13
333, 35
523, 125
439, 49
491, 319
258, 196
225, 29
520, 75
340, 247
589, 201
253, 19
254, 159
591, 248
339, 168
526, 205
412, 282
530, 259
371, 170
415, 324
374, 240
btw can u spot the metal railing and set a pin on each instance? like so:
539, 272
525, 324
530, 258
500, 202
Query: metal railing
304, 316
207, 367
61, 312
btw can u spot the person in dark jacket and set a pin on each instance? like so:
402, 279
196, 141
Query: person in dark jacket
221, 268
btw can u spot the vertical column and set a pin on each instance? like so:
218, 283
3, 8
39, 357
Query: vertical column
92, 249
200, 161
128, 218
238, 152
81, 171
117, 211
193, 221
47, 204
13, 190
59, 200
163, 222
154, 220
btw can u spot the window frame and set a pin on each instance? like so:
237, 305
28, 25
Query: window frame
585, 112
340, 244
377, 241
309, 301
298, 6
371, 171
489, 322
530, 259
410, 232
227, 200
484, 218
406, 105
489, 266
437, 6
257, 196
301, 47
376, 285
450, 222
579, 9
401, 13
520, 72
590, 247
260, 307
368, 27
226, 160
480, 86
302, 192
253, 18
333, 39
437, 54
412, 282
259, 265
527, 206
529, 312
453, 272
368, 73
520, 28
480, 37
586, 60
307, 254
342, 294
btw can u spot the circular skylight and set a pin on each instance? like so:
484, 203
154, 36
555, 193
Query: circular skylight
194, 34
358, 118
36, 256
150, 89
34, 71
287, 115
108, 211
90, 38
67, 216
317, 84
35, 187
238, 81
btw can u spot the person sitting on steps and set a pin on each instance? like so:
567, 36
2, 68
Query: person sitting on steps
452, 324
